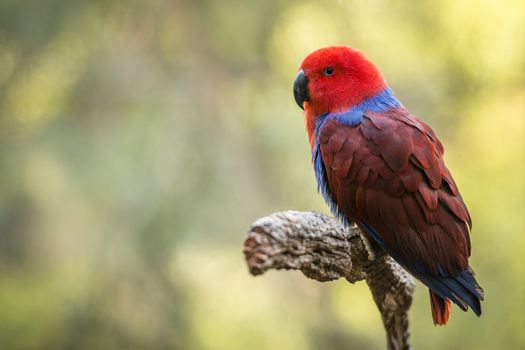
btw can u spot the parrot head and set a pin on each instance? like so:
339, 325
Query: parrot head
334, 79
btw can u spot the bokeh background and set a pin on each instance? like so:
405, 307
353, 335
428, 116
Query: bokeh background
139, 140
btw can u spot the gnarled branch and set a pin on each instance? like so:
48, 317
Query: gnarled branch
324, 250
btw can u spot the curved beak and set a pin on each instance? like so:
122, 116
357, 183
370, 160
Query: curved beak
300, 89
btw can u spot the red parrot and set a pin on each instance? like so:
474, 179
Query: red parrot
379, 166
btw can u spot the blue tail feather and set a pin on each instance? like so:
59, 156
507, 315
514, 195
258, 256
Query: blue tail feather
441, 289
460, 292
466, 278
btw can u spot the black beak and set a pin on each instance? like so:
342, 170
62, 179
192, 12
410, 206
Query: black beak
300, 89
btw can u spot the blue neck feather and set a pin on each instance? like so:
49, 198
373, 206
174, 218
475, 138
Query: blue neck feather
381, 102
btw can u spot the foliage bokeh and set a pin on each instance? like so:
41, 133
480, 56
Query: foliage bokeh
139, 139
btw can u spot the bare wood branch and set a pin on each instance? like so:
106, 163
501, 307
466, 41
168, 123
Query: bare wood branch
324, 250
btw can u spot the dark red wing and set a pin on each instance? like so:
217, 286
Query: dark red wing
389, 173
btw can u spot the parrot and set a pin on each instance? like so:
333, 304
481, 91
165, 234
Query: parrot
380, 167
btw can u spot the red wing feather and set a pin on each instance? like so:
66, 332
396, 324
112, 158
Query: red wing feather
389, 172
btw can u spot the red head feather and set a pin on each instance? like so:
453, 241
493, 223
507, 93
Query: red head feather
353, 78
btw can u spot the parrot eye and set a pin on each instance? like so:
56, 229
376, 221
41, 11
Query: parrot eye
328, 71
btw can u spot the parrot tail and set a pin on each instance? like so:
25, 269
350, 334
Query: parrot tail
441, 309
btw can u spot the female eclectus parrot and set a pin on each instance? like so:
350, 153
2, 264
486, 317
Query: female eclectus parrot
379, 166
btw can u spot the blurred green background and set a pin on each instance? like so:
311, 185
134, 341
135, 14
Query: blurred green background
139, 140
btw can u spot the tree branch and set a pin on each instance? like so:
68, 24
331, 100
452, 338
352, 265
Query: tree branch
324, 250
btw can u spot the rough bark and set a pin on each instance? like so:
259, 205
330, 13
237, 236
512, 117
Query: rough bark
324, 250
